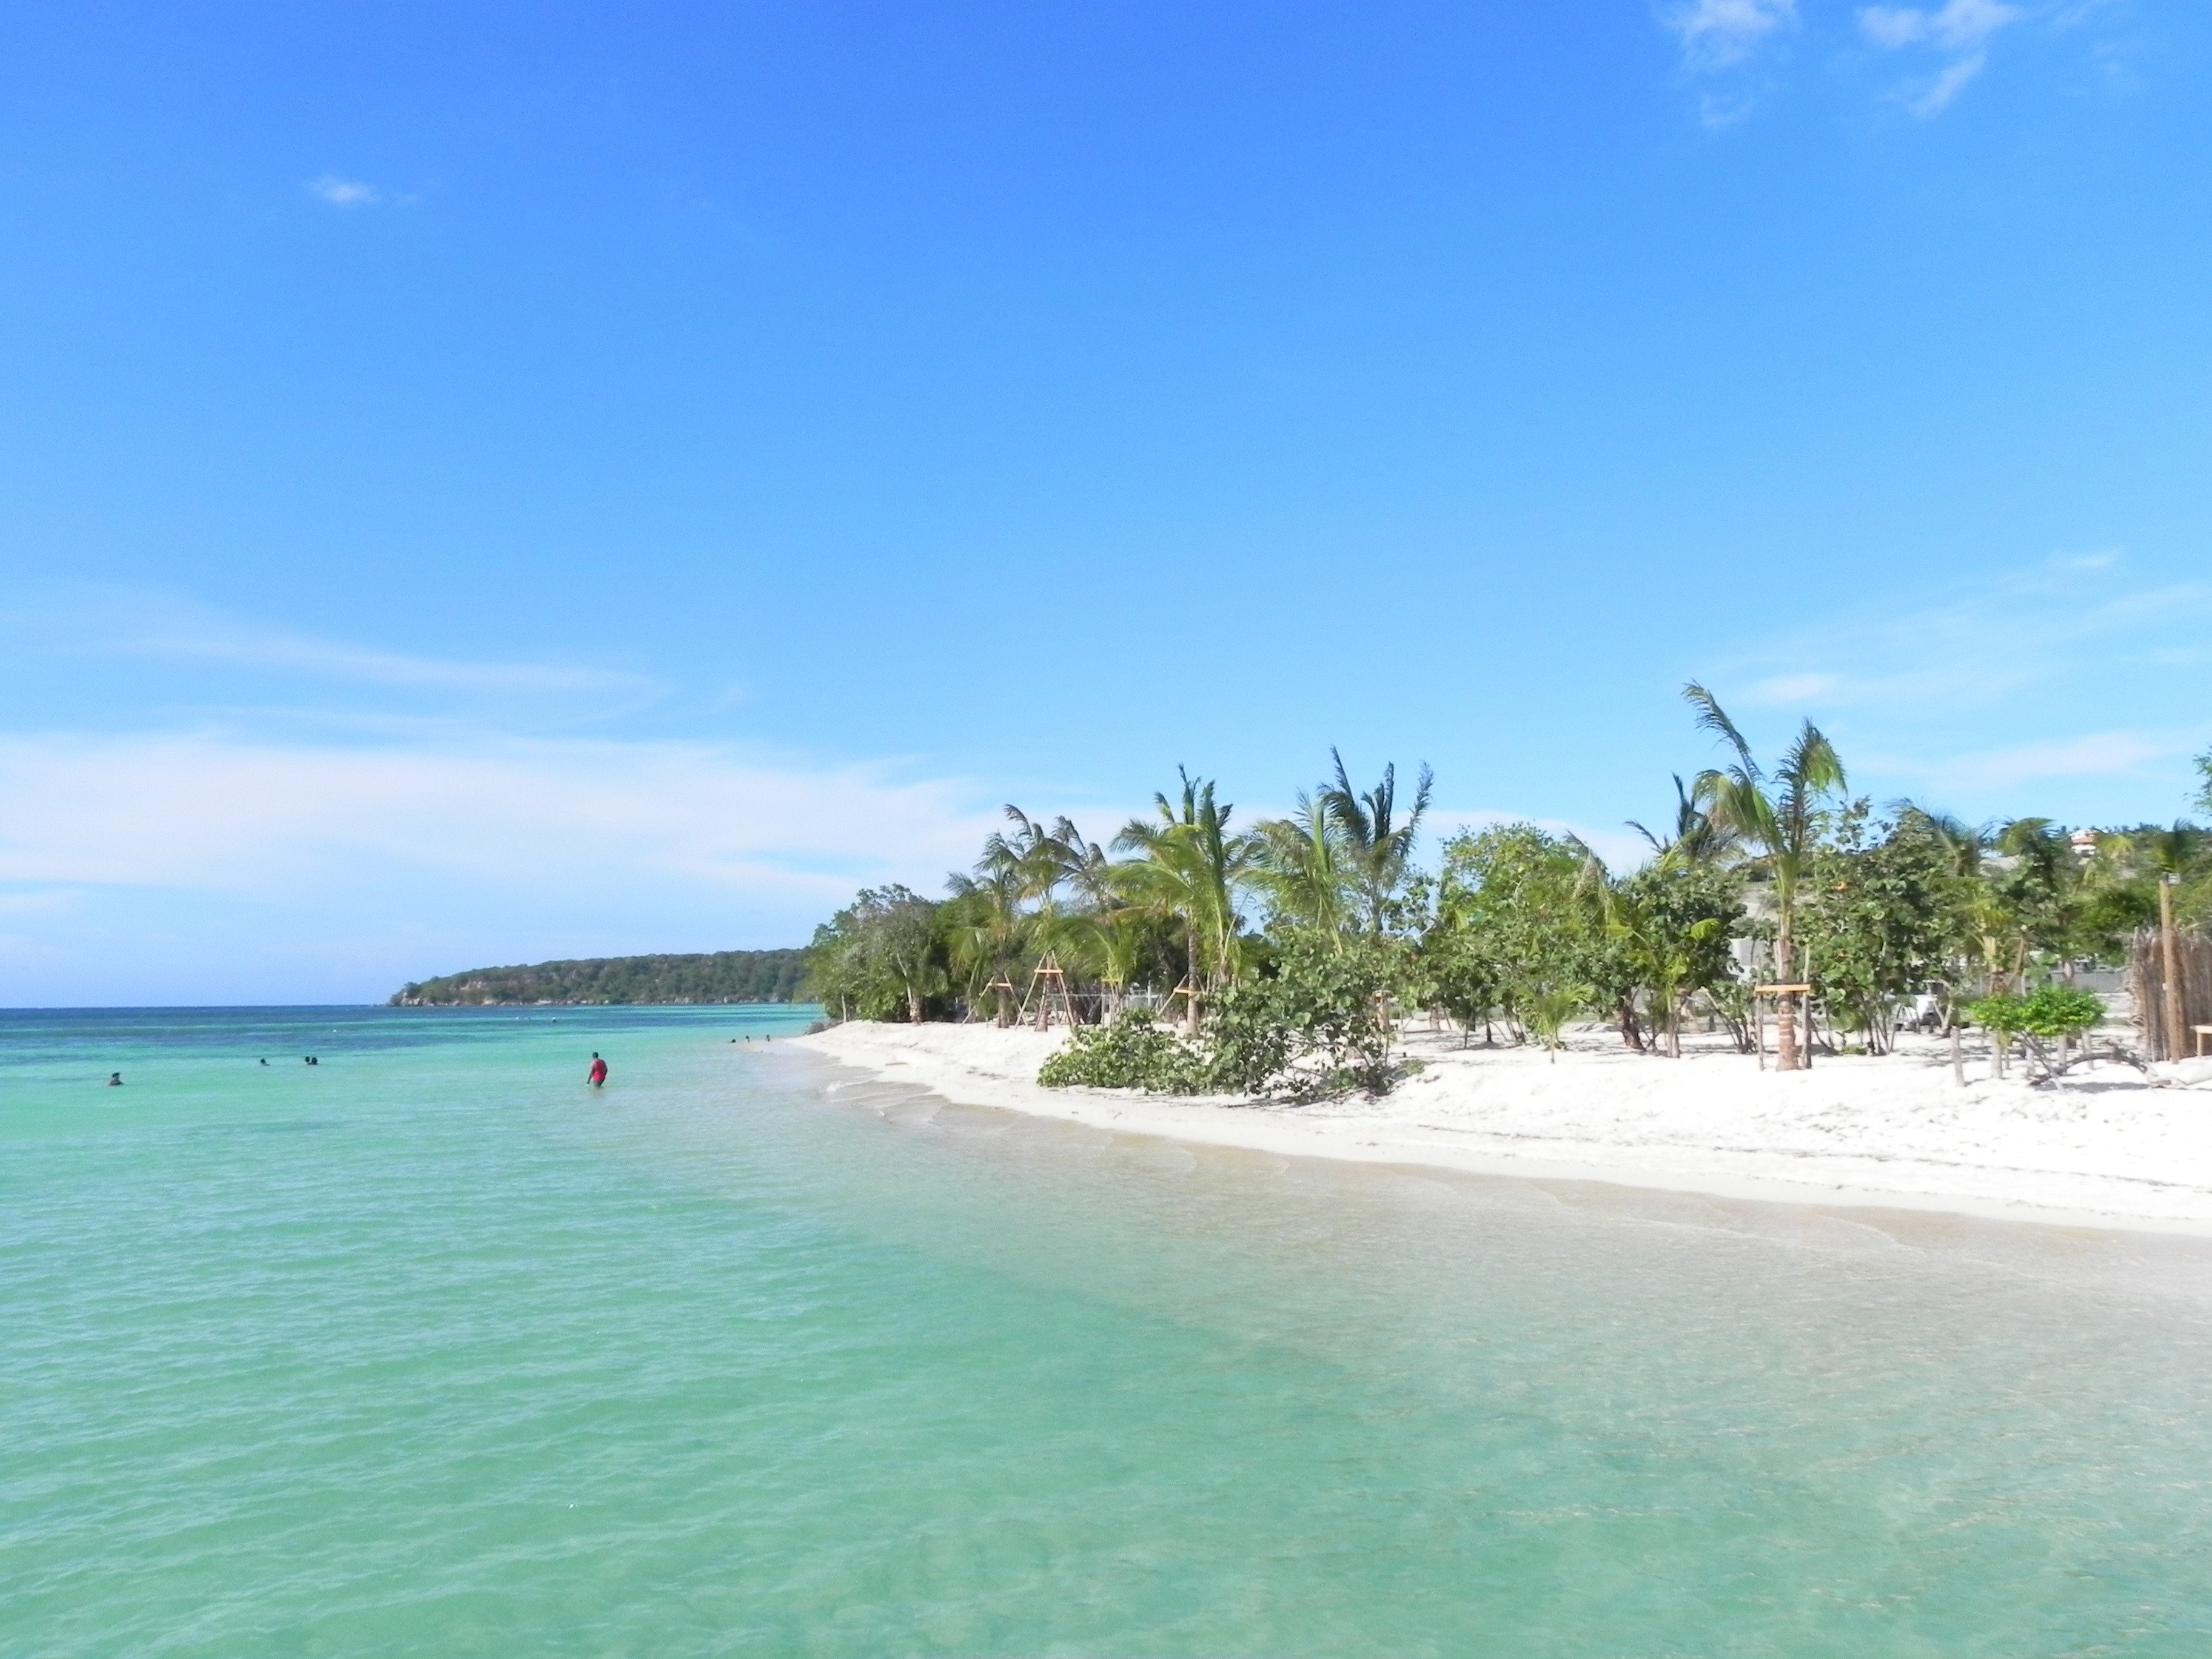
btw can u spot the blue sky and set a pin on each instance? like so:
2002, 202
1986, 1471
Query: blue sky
481, 484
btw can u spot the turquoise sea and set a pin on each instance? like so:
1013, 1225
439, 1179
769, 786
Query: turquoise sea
428, 1349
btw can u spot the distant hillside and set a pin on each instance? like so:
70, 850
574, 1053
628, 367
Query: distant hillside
720, 976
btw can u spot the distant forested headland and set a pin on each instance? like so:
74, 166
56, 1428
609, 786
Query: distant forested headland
713, 976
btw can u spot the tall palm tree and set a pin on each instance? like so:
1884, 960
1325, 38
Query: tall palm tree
2172, 853
1778, 813
1189, 868
1378, 847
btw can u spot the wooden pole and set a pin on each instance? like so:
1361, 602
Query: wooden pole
2170, 962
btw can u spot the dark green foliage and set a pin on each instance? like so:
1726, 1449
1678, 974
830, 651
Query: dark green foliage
1317, 1025
882, 957
1314, 1024
1131, 1052
717, 976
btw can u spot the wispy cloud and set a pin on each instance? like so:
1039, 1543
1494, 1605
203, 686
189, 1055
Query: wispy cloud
1978, 643
1719, 33
2075, 668
1960, 29
253, 817
2099, 754
149, 625
197, 864
344, 192
321, 658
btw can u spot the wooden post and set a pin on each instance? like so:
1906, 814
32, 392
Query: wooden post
1958, 1056
2174, 1035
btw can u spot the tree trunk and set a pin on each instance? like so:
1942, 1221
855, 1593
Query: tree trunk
2176, 1039
1190, 1009
1786, 1056
913, 1006
1005, 1005
1632, 1034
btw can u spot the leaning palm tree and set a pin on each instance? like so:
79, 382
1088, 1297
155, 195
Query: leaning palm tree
1379, 846
1778, 814
2173, 854
1189, 868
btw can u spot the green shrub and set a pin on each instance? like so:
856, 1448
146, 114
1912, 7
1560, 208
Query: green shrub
2056, 1011
1315, 1026
2002, 1015
1131, 1052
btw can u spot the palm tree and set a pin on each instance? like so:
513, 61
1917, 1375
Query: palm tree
1303, 864
987, 931
1189, 867
2172, 853
1378, 848
1967, 849
1778, 814
1697, 840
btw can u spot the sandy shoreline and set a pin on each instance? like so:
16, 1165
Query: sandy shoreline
2104, 1149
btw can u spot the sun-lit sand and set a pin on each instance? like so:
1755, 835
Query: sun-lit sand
2103, 1146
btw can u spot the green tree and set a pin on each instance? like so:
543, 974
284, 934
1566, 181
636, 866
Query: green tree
1670, 923
1880, 918
1779, 814
1302, 866
1378, 845
1521, 894
880, 957
1189, 867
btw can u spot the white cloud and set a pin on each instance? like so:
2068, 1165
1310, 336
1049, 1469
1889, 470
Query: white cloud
264, 819
1716, 33
322, 659
136, 622
1960, 28
2101, 754
1933, 96
1976, 644
344, 192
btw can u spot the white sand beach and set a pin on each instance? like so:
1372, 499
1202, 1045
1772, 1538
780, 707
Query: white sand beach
2104, 1146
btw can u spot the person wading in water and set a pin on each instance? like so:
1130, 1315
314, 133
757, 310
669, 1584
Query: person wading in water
598, 1072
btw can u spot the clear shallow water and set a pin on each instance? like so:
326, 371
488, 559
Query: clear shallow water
429, 1349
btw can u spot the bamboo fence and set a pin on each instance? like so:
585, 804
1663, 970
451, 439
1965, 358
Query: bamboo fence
2146, 983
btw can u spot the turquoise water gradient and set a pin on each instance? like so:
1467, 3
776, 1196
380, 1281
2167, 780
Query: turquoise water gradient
429, 1349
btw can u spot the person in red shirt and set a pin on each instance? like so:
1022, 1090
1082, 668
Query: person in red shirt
599, 1073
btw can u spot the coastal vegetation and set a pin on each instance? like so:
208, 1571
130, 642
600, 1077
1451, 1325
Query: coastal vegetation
1194, 955
709, 977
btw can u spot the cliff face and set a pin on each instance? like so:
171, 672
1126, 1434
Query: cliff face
709, 977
